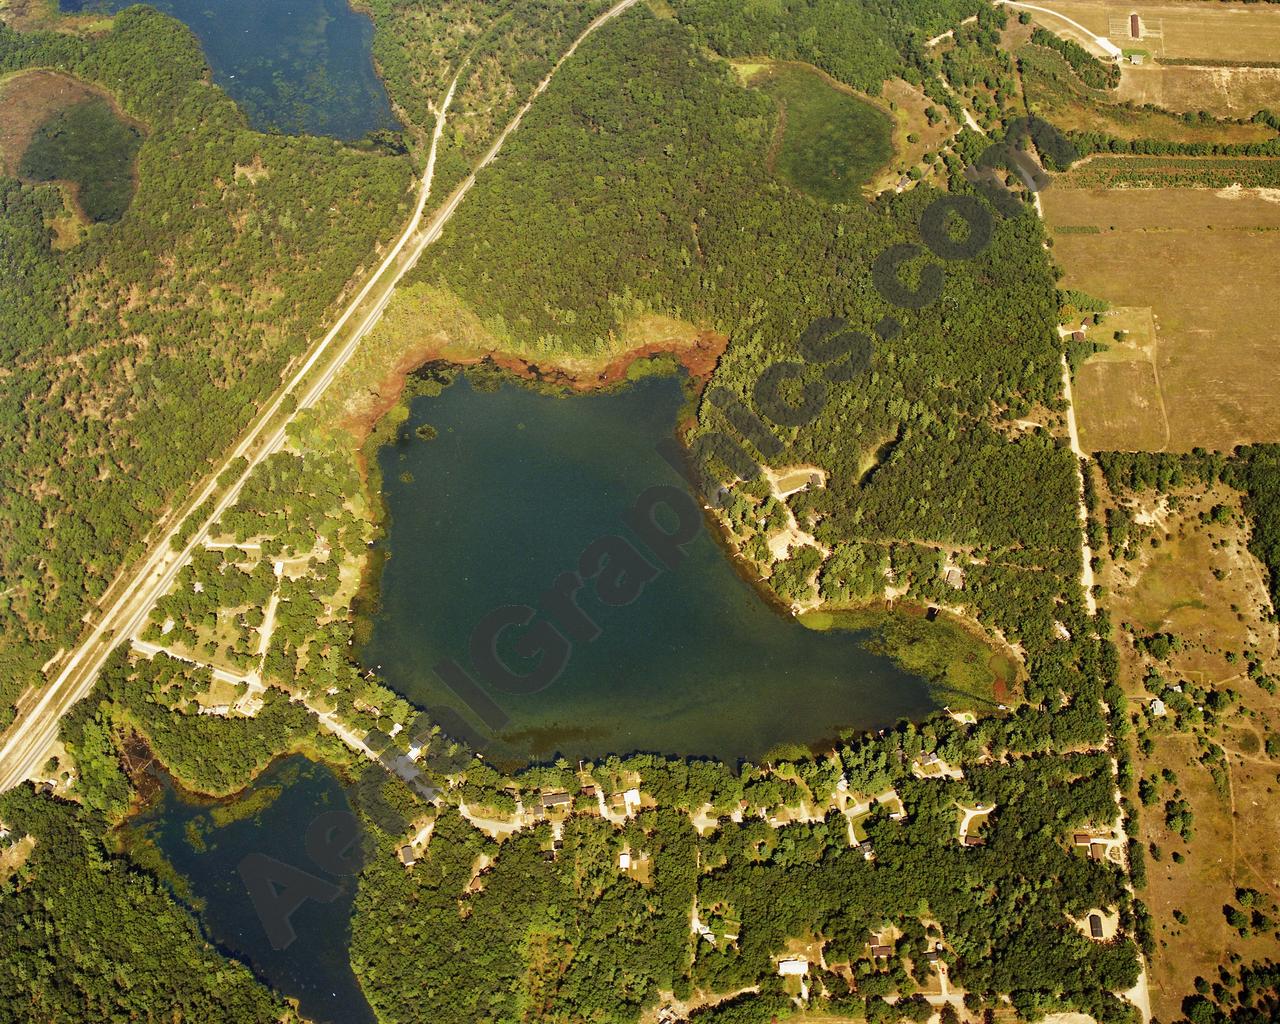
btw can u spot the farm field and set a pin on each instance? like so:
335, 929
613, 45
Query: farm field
1190, 587
830, 142
1225, 92
1197, 28
1195, 257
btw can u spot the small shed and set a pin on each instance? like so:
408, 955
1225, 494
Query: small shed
1095, 926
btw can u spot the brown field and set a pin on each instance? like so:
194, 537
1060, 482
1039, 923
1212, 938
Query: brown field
27, 100
1224, 92
1194, 28
1235, 841
1118, 400
1204, 262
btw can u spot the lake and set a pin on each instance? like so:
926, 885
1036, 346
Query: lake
301, 66
206, 843
507, 496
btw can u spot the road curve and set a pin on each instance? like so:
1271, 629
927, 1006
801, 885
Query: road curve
29, 739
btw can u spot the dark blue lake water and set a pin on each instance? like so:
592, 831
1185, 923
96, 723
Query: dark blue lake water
294, 66
207, 843
508, 496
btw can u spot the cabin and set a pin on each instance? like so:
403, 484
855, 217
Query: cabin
1095, 926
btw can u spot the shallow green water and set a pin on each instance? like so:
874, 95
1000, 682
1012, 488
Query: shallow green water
296, 66
508, 495
207, 844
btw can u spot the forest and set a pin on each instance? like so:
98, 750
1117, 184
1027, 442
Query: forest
133, 358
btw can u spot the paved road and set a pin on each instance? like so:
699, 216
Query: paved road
27, 743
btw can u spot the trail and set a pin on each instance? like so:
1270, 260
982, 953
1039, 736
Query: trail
1082, 512
28, 740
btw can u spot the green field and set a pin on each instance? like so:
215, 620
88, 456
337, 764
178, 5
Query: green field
831, 143
88, 145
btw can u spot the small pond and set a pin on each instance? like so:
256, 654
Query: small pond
212, 844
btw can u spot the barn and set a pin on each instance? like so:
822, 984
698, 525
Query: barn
1135, 26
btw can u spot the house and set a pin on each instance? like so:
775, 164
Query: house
548, 854
879, 951
1158, 710
550, 801
1135, 58
631, 800
1077, 335
1097, 851
406, 856
933, 954
1082, 839
1095, 926
589, 790
558, 845
974, 841
953, 576
868, 851
793, 966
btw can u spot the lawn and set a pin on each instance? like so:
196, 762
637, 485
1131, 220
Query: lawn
829, 142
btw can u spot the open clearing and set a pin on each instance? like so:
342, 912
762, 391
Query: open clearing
1191, 586
830, 141
1200, 259
1195, 28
